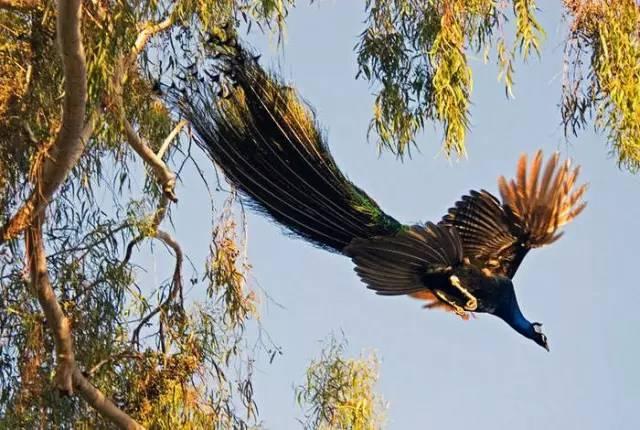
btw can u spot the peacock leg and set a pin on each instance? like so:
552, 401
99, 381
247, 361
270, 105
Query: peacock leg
472, 303
458, 309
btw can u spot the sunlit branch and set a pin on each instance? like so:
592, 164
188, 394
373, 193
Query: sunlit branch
57, 321
170, 137
67, 376
165, 177
102, 404
59, 159
150, 29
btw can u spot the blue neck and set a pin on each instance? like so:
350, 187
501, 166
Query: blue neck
510, 312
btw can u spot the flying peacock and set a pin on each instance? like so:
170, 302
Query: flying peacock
268, 144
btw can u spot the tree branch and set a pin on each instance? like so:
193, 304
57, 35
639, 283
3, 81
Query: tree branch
161, 211
57, 163
165, 177
67, 374
176, 284
70, 142
150, 29
102, 404
170, 137
57, 321
111, 359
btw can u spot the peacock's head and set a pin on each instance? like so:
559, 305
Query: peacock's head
539, 337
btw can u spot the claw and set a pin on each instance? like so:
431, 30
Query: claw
458, 309
472, 302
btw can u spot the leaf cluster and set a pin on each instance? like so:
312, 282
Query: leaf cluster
338, 393
603, 74
416, 55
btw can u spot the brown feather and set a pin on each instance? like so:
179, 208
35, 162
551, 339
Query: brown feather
396, 265
534, 206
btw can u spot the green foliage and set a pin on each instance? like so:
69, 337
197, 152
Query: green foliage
159, 357
417, 53
610, 85
226, 273
452, 77
338, 393
528, 31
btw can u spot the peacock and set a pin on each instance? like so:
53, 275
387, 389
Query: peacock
269, 146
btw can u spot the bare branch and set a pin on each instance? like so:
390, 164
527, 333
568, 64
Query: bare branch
102, 404
165, 177
176, 284
170, 137
112, 358
69, 144
150, 29
56, 320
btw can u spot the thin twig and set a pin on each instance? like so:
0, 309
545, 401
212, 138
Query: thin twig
158, 217
112, 358
176, 284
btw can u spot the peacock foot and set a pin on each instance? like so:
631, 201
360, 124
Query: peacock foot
472, 302
457, 308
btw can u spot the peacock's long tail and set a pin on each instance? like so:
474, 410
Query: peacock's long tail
267, 143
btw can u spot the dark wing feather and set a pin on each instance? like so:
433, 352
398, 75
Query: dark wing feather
489, 239
396, 265
498, 236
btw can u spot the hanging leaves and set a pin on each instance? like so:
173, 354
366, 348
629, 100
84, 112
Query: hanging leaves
415, 53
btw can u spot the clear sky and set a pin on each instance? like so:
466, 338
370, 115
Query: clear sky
438, 371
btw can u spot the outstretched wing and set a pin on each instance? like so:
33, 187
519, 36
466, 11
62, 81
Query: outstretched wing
399, 264
497, 236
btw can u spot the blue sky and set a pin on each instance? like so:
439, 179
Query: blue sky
436, 370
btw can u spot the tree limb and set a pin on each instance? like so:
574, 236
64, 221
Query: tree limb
102, 404
69, 144
176, 284
167, 141
58, 162
67, 374
57, 321
150, 29
165, 177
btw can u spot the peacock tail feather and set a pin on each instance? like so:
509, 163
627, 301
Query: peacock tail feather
268, 144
